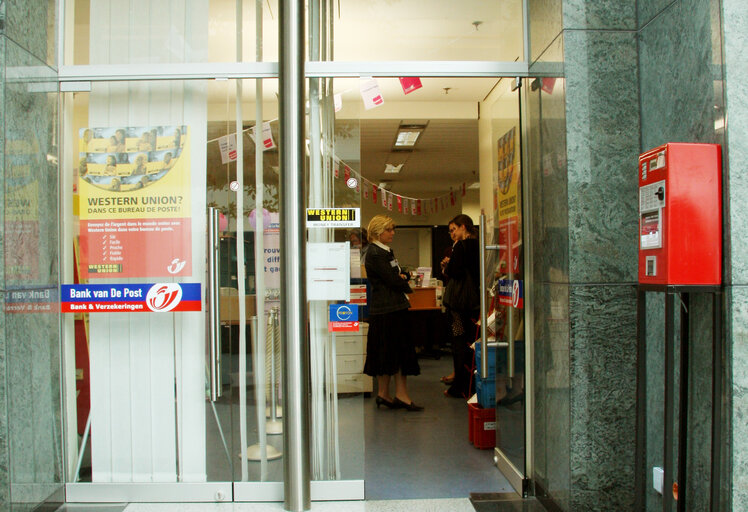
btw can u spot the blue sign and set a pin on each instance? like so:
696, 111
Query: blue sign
343, 312
130, 298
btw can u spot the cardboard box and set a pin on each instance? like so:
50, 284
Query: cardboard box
423, 298
229, 308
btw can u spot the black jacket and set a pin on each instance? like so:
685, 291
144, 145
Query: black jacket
386, 287
465, 259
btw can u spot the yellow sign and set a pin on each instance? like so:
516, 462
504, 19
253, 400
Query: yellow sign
333, 217
139, 184
507, 189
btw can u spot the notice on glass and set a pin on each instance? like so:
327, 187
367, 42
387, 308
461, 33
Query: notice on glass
134, 205
328, 271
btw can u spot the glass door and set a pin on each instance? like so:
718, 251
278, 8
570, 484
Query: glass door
506, 283
138, 405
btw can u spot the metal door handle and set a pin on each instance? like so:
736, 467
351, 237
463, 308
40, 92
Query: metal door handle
214, 316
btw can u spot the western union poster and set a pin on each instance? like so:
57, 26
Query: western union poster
508, 202
134, 202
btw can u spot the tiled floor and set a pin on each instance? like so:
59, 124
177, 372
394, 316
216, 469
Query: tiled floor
426, 454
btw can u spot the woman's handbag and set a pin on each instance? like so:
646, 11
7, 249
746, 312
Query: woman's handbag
462, 294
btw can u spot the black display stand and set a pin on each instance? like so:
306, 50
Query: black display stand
672, 294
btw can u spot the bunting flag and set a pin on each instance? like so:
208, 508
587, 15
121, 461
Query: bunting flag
452, 198
410, 84
370, 93
336, 169
366, 192
267, 136
384, 198
374, 193
400, 204
347, 173
412, 206
389, 201
418, 207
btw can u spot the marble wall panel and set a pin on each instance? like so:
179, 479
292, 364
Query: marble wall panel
600, 14
31, 179
602, 129
552, 408
546, 23
32, 25
678, 76
603, 396
736, 89
655, 391
34, 398
646, 10
736, 97
4, 462
738, 318
700, 402
30, 365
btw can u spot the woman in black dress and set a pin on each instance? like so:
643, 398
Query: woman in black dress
389, 349
462, 267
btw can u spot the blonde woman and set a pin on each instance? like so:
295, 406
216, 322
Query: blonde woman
389, 350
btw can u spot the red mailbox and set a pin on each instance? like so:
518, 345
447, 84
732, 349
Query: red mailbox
680, 215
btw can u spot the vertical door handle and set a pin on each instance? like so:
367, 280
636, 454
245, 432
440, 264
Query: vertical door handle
482, 273
213, 292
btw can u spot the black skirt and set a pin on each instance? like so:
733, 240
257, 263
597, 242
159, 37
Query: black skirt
389, 346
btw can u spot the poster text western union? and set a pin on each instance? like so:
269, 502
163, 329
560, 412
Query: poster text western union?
115, 204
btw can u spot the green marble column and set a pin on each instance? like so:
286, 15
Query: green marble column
30, 425
735, 18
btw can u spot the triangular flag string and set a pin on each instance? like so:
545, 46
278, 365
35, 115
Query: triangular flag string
387, 199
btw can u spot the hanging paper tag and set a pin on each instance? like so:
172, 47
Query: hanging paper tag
370, 93
410, 84
267, 136
227, 145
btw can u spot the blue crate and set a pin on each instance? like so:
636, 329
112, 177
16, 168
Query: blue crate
486, 389
491, 360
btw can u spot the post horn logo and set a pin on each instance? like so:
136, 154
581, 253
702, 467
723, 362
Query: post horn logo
163, 297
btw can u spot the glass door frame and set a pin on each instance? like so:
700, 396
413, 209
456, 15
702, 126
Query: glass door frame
79, 78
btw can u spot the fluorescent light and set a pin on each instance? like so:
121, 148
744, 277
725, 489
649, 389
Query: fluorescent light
407, 136
392, 169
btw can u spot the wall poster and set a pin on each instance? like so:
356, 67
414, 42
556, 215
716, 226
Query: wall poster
134, 193
508, 203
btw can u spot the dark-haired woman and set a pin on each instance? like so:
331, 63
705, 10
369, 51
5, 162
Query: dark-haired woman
462, 269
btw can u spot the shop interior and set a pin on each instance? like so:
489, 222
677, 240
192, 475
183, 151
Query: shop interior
448, 168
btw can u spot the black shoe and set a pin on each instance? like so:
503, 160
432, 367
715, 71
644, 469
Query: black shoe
386, 403
411, 407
